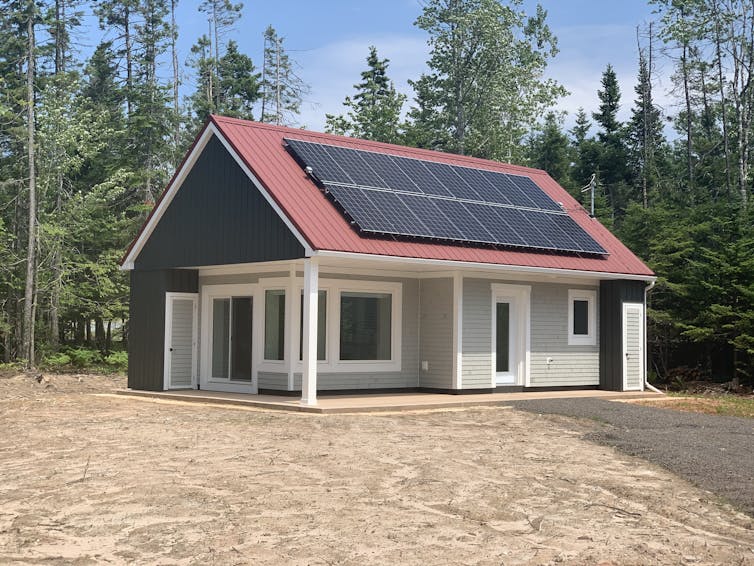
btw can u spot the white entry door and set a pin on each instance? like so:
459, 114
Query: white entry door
180, 339
633, 346
510, 334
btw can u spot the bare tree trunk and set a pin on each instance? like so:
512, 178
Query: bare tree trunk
645, 126
28, 326
723, 100
174, 53
264, 79
210, 91
278, 87
56, 267
687, 97
129, 57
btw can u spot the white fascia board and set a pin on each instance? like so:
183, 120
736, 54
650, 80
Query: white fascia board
501, 268
209, 131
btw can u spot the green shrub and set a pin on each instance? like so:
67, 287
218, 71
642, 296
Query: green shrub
82, 358
56, 360
118, 361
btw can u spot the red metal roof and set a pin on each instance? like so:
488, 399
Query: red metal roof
261, 147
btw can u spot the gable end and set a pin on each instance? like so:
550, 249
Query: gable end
217, 216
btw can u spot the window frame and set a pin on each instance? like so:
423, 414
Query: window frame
590, 297
333, 363
286, 307
207, 295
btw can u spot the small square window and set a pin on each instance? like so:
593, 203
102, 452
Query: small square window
582, 317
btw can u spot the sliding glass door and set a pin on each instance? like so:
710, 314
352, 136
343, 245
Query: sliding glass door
231, 338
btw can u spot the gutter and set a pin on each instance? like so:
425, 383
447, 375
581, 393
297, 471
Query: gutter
648, 385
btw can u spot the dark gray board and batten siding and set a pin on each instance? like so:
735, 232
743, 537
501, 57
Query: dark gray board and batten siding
217, 217
146, 328
612, 296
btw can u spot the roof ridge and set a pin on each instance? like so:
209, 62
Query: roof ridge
376, 144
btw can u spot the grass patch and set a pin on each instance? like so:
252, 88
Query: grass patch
726, 405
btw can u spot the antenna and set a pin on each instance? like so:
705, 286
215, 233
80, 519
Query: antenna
590, 187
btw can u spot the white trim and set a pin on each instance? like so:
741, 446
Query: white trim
167, 359
486, 266
311, 303
590, 296
642, 363
519, 298
206, 380
292, 351
209, 131
457, 331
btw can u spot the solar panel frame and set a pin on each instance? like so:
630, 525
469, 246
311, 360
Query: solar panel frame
393, 195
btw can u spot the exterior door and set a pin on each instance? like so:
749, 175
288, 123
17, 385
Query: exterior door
511, 307
633, 346
505, 334
180, 340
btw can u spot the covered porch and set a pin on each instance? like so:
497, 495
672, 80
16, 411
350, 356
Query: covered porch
380, 325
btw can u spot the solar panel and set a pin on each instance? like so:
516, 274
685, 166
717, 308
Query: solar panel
386, 194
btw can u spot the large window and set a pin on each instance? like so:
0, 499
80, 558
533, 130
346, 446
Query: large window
274, 324
321, 327
365, 326
582, 317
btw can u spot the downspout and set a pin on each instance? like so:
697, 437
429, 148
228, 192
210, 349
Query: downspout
648, 385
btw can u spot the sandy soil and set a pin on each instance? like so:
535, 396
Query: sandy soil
89, 478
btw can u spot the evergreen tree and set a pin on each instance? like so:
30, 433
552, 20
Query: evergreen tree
645, 137
231, 89
551, 151
613, 158
282, 89
375, 110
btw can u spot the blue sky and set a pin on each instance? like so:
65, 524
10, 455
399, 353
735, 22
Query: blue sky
330, 39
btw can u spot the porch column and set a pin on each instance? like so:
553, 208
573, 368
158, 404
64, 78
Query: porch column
311, 301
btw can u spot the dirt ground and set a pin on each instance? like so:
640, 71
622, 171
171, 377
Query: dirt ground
87, 478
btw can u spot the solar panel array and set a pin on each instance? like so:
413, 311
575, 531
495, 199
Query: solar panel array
392, 195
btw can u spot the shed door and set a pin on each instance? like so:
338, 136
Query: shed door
180, 339
633, 346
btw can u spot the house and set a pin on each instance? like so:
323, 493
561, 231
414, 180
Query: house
284, 261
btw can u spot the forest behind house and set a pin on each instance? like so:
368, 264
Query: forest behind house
88, 142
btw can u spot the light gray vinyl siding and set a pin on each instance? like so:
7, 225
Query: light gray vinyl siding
570, 366
272, 380
436, 333
476, 365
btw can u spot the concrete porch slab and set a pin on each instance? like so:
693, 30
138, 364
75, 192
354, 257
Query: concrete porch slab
371, 403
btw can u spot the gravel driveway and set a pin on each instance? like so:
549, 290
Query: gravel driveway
714, 452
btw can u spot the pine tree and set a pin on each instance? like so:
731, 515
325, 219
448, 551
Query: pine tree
375, 110
282, 89
645, 136
613, 171
550, 150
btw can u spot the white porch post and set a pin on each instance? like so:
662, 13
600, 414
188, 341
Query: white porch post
311, 300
